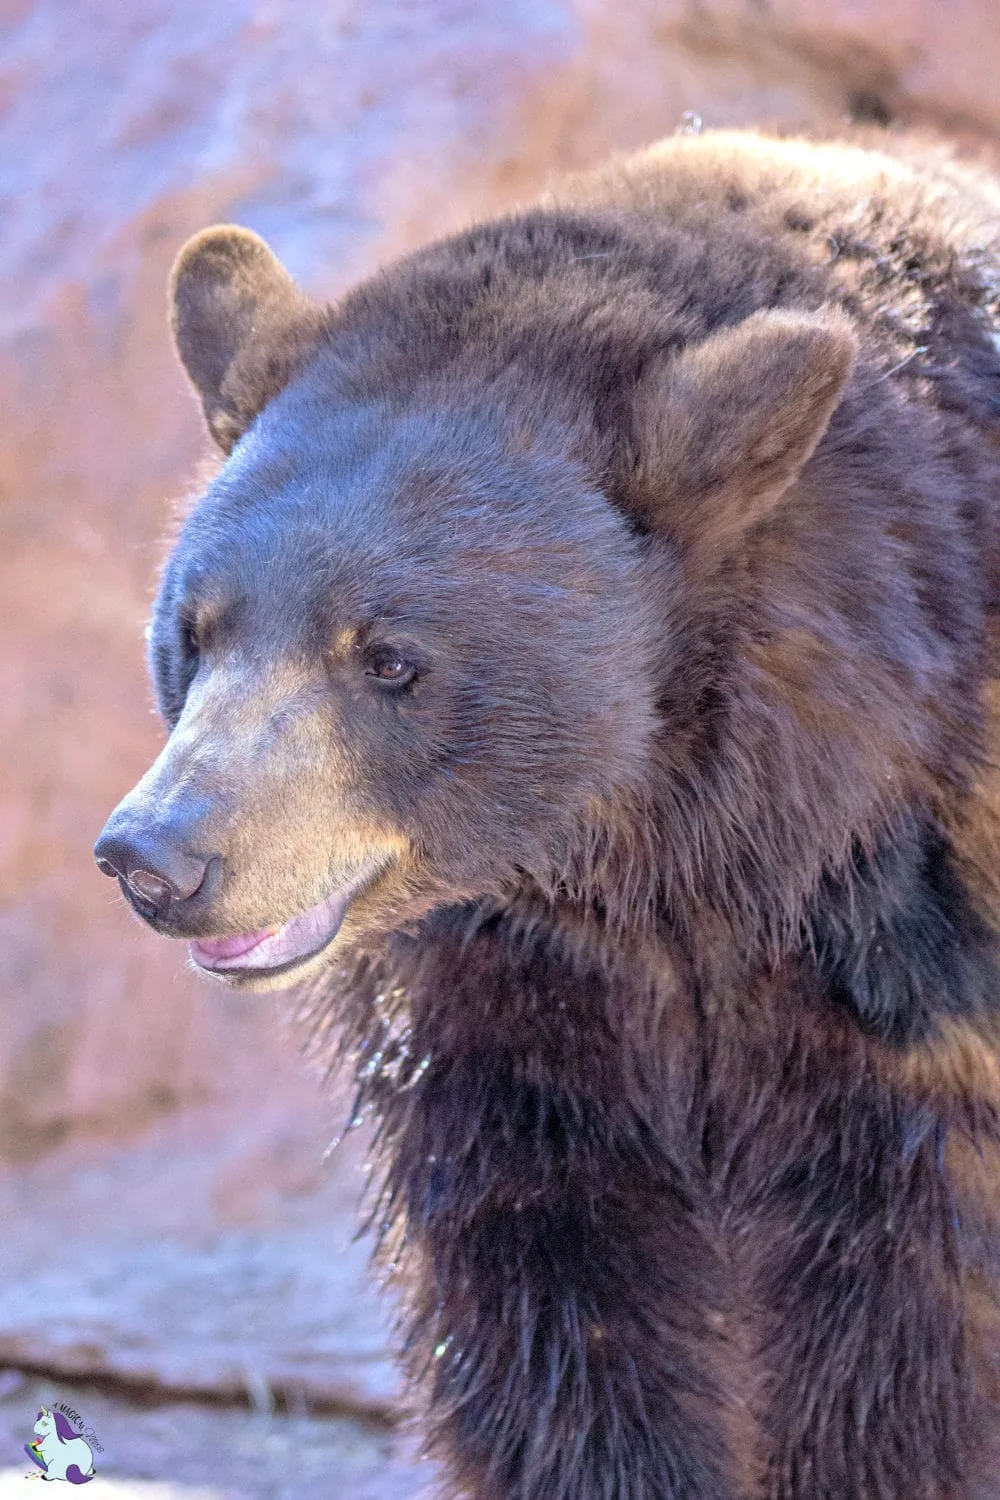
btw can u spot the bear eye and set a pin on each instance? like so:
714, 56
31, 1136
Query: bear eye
190, 644
390, 668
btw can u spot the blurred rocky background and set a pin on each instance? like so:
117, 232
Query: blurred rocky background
176, 1257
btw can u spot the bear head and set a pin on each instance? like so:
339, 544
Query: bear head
413, 643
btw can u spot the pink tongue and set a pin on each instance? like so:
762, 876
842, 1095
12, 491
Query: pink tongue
270, 947
233, 947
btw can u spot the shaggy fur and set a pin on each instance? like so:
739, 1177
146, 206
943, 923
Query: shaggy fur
676, 996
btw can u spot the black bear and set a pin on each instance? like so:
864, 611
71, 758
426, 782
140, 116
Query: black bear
579, 681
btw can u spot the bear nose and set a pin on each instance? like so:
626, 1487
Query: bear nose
155, 867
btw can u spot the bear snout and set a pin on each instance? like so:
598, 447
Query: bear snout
155, 863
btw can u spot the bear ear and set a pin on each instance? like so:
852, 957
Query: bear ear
725, 427
240, 324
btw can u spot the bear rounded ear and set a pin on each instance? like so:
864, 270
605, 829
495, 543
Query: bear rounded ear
240, 324
725, 427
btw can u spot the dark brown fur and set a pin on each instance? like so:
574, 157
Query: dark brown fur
677, 1003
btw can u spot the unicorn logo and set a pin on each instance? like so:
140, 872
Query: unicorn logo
58, 1450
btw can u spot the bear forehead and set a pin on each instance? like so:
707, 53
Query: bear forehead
367, 502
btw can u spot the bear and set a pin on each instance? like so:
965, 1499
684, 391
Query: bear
580, 684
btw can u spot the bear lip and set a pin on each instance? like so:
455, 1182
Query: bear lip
279, 947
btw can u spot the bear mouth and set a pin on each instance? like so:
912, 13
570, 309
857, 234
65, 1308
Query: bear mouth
279, 949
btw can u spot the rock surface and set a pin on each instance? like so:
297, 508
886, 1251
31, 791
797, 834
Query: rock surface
182, 1450
178, 1132
214, 1257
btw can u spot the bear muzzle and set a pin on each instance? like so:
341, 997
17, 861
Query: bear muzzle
179, 891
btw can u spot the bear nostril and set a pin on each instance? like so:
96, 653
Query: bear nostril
151, 888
